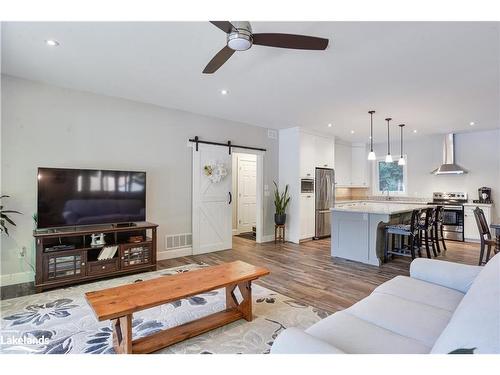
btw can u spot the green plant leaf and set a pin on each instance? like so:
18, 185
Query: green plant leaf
9, 220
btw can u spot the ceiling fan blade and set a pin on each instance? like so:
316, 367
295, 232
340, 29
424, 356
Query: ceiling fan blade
218, 60
225, 26
290, 41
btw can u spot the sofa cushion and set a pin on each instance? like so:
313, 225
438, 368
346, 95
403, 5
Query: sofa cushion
421, 292
415, 320
295, 341
476, 321
356, 336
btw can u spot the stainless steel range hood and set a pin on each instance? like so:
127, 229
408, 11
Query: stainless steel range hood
449, 166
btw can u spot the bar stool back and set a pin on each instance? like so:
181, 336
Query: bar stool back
403, 230
426, 224
438, 228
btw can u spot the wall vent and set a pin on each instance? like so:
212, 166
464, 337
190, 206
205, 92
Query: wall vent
178, 241
272, 134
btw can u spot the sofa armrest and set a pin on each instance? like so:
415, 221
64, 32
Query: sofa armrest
296, 341
448, 274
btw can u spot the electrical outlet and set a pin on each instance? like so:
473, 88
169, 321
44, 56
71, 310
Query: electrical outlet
22, 252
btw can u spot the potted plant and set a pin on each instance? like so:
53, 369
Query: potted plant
4, 218
281, 201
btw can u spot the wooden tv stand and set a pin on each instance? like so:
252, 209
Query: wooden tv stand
65, 267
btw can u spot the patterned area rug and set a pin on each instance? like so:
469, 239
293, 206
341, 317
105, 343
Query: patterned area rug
60, 321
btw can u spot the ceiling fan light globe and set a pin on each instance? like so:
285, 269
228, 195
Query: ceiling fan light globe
240, 40
372, 156
388, 158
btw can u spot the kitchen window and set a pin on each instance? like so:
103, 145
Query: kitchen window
389, 178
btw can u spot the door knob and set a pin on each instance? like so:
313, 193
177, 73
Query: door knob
230, 198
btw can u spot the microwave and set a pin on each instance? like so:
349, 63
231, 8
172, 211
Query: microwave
307, 185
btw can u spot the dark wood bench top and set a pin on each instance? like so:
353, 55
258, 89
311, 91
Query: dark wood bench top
126, 299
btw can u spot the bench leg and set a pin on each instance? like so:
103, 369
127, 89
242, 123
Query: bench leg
122, 334
245, 306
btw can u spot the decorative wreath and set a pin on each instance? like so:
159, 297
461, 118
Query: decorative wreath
215, 171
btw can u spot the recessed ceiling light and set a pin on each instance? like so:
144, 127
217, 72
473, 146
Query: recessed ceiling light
414, 130
352, 131
329, 125
223, 92
472, 123
52, 42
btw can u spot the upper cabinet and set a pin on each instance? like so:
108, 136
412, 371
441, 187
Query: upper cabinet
343, 161
351, 169
307, 155
359, 166
324, 152
315, 151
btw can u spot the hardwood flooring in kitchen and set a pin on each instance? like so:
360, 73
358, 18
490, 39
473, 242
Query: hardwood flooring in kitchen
307, 273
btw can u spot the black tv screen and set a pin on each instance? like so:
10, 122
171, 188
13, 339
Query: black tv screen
73, 197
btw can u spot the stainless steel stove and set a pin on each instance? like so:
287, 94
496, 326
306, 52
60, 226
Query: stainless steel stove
453, 213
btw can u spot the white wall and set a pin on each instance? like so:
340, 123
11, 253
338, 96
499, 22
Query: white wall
478, 152
44, 125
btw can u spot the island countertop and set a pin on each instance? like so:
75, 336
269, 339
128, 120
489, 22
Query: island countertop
380, 208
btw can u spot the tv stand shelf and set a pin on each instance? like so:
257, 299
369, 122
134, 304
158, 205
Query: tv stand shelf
80, 263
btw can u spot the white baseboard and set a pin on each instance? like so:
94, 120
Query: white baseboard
175, 253
268, 238
17, 278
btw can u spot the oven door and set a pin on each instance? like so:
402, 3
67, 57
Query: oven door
452, 215
453, 223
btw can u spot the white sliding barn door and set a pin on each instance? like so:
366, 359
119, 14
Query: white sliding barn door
212, 214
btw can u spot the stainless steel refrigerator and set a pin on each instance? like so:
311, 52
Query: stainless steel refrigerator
324, 200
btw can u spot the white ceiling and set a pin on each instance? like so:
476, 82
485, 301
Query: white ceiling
434, 76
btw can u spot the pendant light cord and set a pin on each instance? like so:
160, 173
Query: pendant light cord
388, 137
401, 126
371, 130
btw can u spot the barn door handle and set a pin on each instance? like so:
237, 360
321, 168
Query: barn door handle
230, 198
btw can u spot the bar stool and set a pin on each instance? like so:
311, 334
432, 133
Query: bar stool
410, 231
438, 228
484, 230
425, 226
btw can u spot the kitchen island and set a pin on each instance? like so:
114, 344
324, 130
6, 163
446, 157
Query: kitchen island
358, 228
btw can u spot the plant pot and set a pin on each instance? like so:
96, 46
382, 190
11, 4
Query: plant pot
279, 219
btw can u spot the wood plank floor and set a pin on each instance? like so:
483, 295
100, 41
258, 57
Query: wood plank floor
304, 272
308, 273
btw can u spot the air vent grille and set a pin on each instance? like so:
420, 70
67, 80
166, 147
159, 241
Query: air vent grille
178, 241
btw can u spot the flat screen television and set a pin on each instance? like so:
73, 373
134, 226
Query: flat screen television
74, 197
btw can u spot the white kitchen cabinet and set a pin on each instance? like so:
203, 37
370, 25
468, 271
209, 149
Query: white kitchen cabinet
343, 161
300, 152
324, 152
351, 169
307, 155
306, 216
359, 175
471, 232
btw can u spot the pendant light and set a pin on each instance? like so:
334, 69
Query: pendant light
388, 157
371, 155
402, 160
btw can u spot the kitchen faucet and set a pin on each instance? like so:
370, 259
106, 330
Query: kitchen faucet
388, 198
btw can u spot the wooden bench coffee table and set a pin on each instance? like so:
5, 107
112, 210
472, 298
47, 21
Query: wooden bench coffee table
119, 303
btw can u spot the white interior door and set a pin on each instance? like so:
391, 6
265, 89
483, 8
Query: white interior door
247, 192
211, 201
